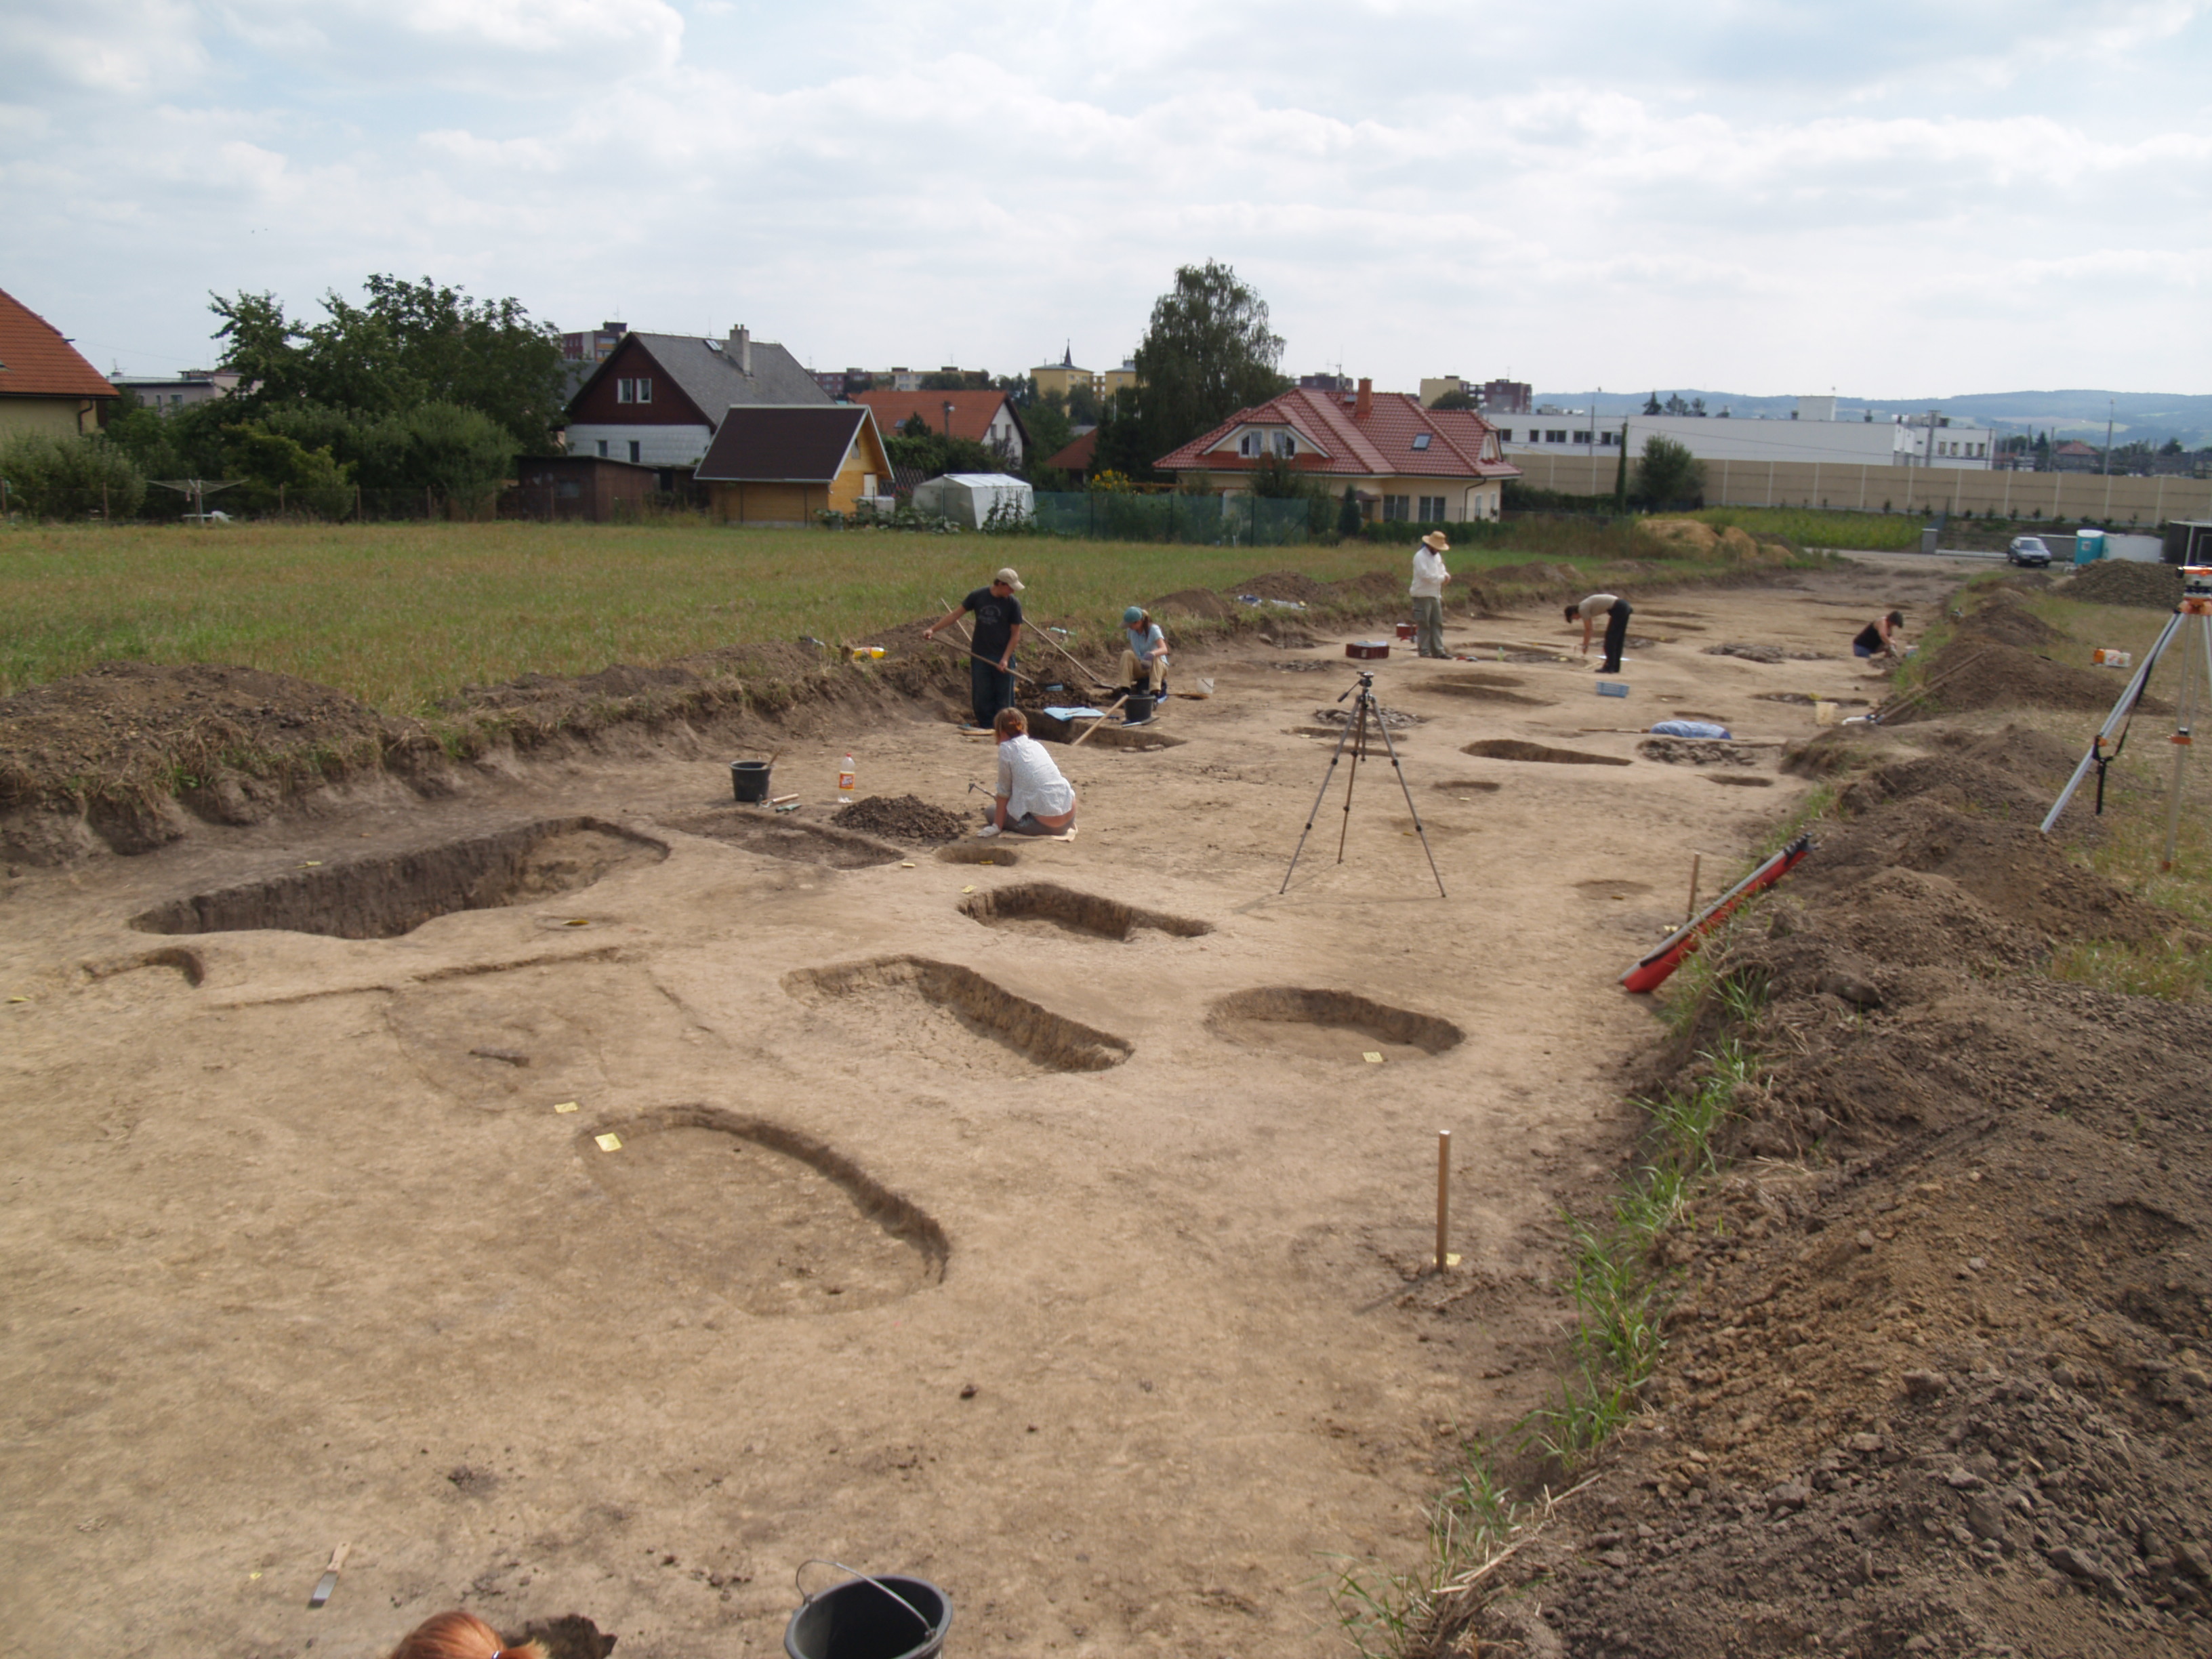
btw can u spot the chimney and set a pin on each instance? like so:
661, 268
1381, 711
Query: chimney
1365, 406
741, 348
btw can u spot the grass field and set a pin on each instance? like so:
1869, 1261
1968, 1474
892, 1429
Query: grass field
402, 617
1871, 533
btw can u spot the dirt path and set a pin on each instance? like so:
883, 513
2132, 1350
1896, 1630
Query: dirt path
1091, 1303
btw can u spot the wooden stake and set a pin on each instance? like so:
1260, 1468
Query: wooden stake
1691, 915
1444, 1193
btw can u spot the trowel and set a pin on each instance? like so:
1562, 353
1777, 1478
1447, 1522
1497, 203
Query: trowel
329, 1581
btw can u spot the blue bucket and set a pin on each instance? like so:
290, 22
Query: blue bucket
889, 1617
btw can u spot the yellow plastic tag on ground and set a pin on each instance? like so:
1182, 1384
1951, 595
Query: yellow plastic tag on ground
19, 999
609, 1143
969, 888
1451, 1261
906, 864
312, 863
1372, 1060
578, 922
566, 1106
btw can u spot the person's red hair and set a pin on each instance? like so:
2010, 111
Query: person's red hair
460, 1636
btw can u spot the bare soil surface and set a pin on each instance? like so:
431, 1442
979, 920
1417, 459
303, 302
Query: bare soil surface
1069, 1256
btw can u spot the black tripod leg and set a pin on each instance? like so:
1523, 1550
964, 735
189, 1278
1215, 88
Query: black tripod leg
1352, 778
1320, 795
1398, 767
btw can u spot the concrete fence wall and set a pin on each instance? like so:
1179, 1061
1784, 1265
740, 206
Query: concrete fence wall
2064, 496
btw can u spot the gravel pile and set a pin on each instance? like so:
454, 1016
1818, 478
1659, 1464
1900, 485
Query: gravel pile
901, 817
2122, 581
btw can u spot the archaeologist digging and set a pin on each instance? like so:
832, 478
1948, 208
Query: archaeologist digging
1879, 638
1616, 612
1145, 661
1031, 797
1428, 593
991, 652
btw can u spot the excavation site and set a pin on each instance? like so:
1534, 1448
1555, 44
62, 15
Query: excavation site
589, 1197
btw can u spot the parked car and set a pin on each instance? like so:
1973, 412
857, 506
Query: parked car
2028, 549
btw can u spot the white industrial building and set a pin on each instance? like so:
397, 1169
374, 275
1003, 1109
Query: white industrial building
1815, 434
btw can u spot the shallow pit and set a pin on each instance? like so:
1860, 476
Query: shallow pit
1612, 889
1109, 734
751, 1210
782, 836
1696, 751
385, 897
1514, 749
187, 964
1476, 691
1469, 786
954, 1016
1044, 906
1320, 1024
1746, 779
1699, 714
979, 852
1803, 701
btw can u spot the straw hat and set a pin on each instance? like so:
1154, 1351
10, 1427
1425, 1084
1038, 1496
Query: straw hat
1436, 538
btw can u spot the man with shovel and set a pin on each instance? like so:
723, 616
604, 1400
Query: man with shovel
991, 653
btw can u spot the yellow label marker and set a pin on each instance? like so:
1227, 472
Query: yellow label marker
906, 864
1372, 1058
1451, 1261
312, 863
609, 1143
578, 922
969, 888
19, 999
566, 1106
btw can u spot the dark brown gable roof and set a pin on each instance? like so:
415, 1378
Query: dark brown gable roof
35, 361
767, 444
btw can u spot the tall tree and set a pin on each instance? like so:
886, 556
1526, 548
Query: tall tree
1668, 472
1207, 353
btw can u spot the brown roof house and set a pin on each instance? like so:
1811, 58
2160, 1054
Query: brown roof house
658, 399
1402, 461
782, 465
45, 385
988, 417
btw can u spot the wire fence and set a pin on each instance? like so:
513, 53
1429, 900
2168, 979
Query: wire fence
1237, 520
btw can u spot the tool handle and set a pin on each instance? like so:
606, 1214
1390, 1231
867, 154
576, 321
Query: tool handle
338, 1557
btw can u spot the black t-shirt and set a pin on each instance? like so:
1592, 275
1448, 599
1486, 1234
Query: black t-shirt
1869, 637
996, 621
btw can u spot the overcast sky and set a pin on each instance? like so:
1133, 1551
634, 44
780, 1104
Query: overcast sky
1894, 200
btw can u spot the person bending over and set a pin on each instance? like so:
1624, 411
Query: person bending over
1428, 592
1031, 797
1879, 637
1616, 612
1146, 658
991, 653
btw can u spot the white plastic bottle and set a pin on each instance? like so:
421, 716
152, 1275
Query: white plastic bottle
844, 782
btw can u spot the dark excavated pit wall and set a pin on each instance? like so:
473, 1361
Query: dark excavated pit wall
385, 896
1081, 913
1514, 749
783, 836
1052, 1041
1109, 734
1342, 1009
979, 852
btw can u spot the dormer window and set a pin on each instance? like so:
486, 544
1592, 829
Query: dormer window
1420, 440
1248, 444
1286, 445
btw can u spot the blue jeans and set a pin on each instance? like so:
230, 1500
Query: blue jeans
991, 689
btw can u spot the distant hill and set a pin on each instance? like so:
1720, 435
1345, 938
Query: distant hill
2152, 416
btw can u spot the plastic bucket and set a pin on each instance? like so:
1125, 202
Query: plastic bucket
1136, 711
889, 1617
748, 780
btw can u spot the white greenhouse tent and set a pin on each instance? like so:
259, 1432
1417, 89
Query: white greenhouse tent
969, 498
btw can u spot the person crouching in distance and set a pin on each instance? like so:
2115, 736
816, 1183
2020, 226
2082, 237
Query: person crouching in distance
1144, 660
460, 1636
1031, 797
1879, 638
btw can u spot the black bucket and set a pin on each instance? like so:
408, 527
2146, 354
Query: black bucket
889, 1617
750, 779
1136, 711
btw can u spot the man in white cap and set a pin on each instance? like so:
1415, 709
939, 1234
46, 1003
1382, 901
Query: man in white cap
991, 652
1428, 591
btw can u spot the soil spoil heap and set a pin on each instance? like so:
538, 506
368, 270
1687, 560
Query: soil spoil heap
1934, 1356
901, 817
2123, 581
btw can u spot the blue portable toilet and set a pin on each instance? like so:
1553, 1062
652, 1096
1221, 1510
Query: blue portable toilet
2089, 546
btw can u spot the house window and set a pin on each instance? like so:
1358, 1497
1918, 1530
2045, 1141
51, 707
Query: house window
638, 390
1396, 508
1420, 440
1555, 437
1607, 439
1582, 437
634, 447
602, 449
1248, 444
1286, 445
1505, 435
1433, 509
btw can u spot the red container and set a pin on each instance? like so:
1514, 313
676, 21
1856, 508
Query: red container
1404, 630
1367, 650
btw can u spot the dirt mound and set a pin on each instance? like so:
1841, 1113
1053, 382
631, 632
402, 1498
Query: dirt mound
2001, 618
2123, 581
1696, 751
901, 817
1372, 585
1981, 674
1191, 602
1280, 584
1691, 536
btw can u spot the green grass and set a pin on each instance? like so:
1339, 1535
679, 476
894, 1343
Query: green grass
1801, 526
403, 617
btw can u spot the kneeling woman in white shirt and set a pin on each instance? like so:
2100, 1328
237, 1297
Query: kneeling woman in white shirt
1031, 797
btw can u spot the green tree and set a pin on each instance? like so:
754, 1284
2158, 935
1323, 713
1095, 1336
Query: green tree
284, 475
1455, 400
1668, 472
1651, 405
1050, 431
63, 475
1083, 408
1207, 353
931, 453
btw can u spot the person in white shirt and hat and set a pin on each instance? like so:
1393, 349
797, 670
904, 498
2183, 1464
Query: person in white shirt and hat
1428, 591
1031, 797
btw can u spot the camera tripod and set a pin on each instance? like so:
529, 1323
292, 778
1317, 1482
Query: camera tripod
2113, 736
1364, 712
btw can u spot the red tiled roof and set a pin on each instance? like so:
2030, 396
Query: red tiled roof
972, 412
35, 361
1461, 442
1078, 455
